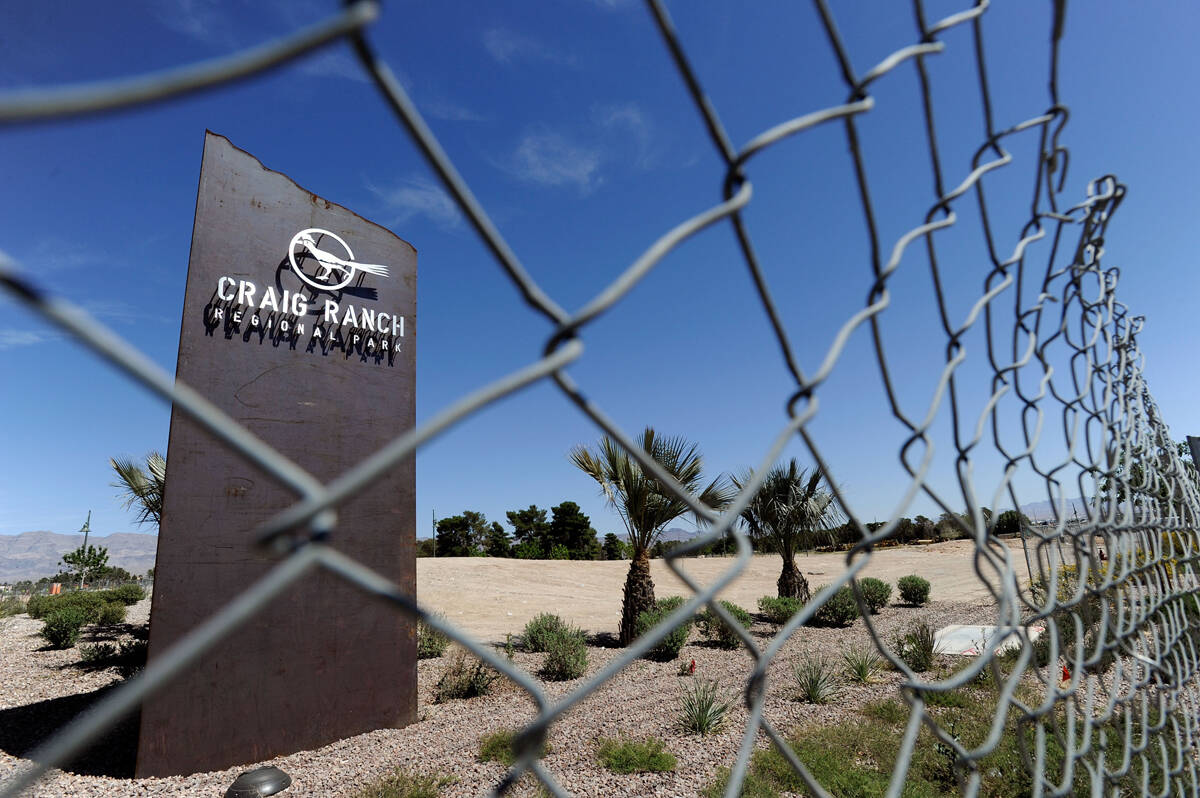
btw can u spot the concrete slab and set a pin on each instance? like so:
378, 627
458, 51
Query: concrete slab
968, 640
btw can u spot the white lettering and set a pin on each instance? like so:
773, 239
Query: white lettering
221, 285
217, 313
246, 292
237, 317
300, 329
397, 349
350, 317
382, 322
331, 309
283, 325
356, 337
366, 319
299, 305
318, 332
254, 320
269, 299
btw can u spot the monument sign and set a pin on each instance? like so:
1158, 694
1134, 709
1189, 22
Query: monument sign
299, 321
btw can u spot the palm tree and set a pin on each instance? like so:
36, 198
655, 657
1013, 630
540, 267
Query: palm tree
644, 504
792, 511
142, 487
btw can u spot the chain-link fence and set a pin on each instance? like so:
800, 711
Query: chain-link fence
1102, 703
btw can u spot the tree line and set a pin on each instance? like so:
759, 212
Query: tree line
567, 534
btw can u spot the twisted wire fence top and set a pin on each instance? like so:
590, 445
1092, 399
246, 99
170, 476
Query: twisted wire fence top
1113, 590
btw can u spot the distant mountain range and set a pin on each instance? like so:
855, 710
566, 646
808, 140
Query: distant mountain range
32, 555
1044, 511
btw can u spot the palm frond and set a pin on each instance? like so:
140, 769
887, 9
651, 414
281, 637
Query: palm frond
140, 487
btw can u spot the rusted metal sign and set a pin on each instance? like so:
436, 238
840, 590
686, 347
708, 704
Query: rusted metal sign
299, 321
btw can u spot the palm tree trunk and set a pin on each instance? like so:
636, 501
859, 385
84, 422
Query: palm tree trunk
792, 583
639, 596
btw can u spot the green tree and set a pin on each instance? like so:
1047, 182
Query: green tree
88, 562
462, 535
614, 547
570, 527
497, 543
794, 509
645, 506
1010, 522
142, 487
529, 526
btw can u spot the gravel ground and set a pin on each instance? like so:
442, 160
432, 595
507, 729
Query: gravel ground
43, 688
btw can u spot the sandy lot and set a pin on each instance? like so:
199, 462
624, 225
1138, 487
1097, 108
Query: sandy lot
491, 597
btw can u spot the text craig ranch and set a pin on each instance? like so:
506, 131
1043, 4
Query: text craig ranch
238, 304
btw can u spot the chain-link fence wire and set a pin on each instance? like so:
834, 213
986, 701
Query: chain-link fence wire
1102, 701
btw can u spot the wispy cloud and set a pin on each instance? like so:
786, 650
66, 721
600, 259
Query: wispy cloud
53, 255
510, 47
12, 339
418, 196
630, 119
548, 158
203, 20
334, 64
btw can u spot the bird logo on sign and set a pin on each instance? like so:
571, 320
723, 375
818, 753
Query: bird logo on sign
333, 271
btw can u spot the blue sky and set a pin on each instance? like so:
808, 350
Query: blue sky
574, 130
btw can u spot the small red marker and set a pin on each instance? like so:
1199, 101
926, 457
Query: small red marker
692, 667
1066, 677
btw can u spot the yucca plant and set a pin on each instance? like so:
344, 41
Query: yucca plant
861, 664
703, 707
816, 679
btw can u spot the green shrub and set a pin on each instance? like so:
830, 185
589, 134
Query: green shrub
540, 629
11, 606
779, 610
403, 784
839, 610
876, 593
464, 677
559, 552
888, 710
99, 654
913, 589
861, 664
916, 647
816, 680
431, 643
669, 647
110, 613
702, 707
498, 747
566, 655
716, 630
61, 627
635, 756
39, 606
129, 594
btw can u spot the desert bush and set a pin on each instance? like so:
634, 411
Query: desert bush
669, 647
129, 594
431, 643
916, 647
702, 707
464, 677
913, 589
540, 629
11, 606
498, 747
779, 610
816, 680
110, 613
131, 657
403, 784
38, 606
566, 655
953, 699
716, 630
875, 592
99, 654
61, 627
861, 664
839, 610
635, 756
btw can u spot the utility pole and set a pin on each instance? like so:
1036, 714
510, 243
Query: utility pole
87, 527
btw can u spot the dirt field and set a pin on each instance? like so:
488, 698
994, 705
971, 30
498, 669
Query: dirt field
490, 597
